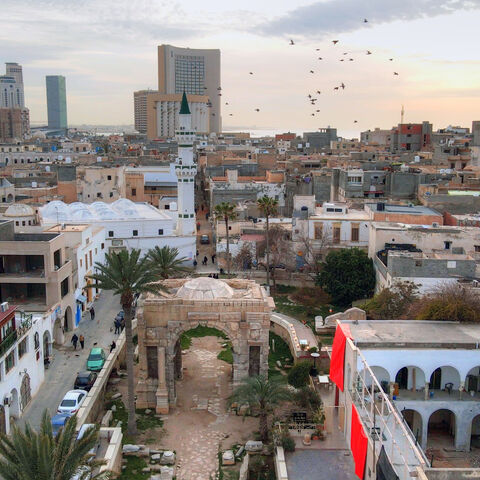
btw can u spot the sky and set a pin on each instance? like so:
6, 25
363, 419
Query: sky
106, 49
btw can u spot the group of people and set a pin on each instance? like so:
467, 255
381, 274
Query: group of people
205, 260
213, 275
76, 339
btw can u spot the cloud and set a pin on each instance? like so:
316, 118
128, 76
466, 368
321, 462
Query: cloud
324, 18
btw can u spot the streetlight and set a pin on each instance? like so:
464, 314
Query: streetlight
314, 371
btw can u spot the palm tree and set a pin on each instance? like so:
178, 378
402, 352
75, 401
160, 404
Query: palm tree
165, 261
126, 274
30, 454
264, 394
226, 212
268, 206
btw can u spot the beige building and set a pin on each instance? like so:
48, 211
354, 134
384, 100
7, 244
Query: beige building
239, 308
36, 275
197, 71
98, 183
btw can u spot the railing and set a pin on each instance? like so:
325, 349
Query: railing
384, 422
8, 341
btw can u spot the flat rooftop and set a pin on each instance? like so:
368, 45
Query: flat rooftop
404, 209
414, 334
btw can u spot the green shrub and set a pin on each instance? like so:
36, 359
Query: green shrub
299, 374
288, 443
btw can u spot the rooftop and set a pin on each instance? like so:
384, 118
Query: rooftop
404, 209
414, 334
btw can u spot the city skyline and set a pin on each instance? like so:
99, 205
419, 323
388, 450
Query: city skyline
107, 60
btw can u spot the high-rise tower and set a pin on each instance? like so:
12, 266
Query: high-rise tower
56, 102
186, 170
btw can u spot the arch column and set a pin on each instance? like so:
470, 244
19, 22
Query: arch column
463, 428
425, 419
162, 391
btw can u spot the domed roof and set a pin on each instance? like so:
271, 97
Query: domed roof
19, 210
205, 288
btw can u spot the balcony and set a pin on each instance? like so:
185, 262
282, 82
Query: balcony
15, 334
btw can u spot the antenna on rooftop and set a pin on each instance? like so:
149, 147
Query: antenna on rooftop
402, 113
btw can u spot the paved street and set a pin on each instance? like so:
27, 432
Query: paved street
66, 362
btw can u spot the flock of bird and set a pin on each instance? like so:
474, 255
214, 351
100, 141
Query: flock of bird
311, 98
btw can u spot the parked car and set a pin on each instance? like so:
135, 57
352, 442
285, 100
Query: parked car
96, 359
71, 401
58, 422
93, 451
85, 380
204, 239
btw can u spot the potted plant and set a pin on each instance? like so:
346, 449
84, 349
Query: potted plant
319, 418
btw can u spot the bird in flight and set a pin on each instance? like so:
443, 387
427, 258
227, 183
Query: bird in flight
355, 121
320, 58
292, 42
317, 110
309, 95
313, 114
319, 92
219, 94
335, 88
334, 42
391, 59
369, 52
219, 88
350, 59
226, 103
342, 59
257, 109
343, 86
345, 53
317, 49
231, 114
251, 73
395, 73
365, 20
311, 71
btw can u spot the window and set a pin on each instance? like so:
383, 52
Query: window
86, 261
134, 192
338, 210
109, 177
23, 223
160, 231
152, 362
99, 195
88, 240
111, 194
64, 287
167, 207
81, 263
418, 263
10, 361
447, 244
135, 233
451, 264
336, 234
110, 233
103, 246
22, 347
318, 230
96, 250
330, 209
477, 248
355, 232
91, 260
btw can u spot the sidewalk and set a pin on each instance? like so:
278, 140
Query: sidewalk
66, 362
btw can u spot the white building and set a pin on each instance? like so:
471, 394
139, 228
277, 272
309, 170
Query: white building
11, 87
127, 225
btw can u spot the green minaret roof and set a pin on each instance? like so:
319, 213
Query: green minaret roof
184, 109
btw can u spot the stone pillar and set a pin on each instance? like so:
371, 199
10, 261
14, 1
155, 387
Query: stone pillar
427, 386
461, 390
424, 441
463, 428
390, 391
162, 391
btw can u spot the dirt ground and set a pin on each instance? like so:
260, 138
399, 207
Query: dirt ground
199, 426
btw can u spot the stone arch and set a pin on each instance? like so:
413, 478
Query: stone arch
445, 378
441, 425
25, 391
9, 198
68, 320
472, 380
58, 332
415, 422
14, 409
47, 344
410, 378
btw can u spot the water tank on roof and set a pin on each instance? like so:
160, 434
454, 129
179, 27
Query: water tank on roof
68, 160
416, 159
99, 159
173, 206
47, 168
34, 184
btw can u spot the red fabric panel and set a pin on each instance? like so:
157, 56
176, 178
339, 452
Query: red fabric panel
358, 444
337, 362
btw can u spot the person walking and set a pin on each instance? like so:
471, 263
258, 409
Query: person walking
205, 260
92, 313
74, 341
113, 345
117, 326
213, 258
82, 341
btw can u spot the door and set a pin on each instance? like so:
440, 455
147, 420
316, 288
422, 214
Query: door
435, 379
402, 378
3, 425
25, 392
254, 361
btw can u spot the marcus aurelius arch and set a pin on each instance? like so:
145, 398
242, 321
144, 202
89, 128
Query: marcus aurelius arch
239, 308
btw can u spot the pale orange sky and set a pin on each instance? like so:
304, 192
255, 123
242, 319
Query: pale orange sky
107, 49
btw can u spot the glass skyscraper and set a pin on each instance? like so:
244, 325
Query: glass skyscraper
56, 102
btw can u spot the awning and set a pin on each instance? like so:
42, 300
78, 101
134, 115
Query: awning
337, 362
81, 298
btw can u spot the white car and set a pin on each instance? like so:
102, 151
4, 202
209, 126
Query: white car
71, 401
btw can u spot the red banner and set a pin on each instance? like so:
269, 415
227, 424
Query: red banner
337, 363
358, 443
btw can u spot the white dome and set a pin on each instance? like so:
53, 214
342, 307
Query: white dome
205, 288
19, 210
52, 209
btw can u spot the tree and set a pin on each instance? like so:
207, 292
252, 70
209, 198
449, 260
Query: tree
39, 455
449, 302
299, 374
244, 258
226, 212
126, 274
263, 394
347, 275
313, 252
165, 262
268, 207
392, 303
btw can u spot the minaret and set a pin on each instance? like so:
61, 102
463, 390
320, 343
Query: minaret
186, 170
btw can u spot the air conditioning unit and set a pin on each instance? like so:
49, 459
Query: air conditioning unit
4, 306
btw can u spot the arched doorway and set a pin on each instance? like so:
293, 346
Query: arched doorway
410, 378
415, 422
445, 378
475, 433
25, 392
47, 342
58, 333
441, 429
9, 198
67, 320
14, 410
472, 381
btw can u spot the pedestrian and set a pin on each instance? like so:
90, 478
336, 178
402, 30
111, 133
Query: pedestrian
197, 253
113, 345
206, 216
92, 313
74, 341
195, 263
117, 326
205, 260
202, 207
213, 258
82, 341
